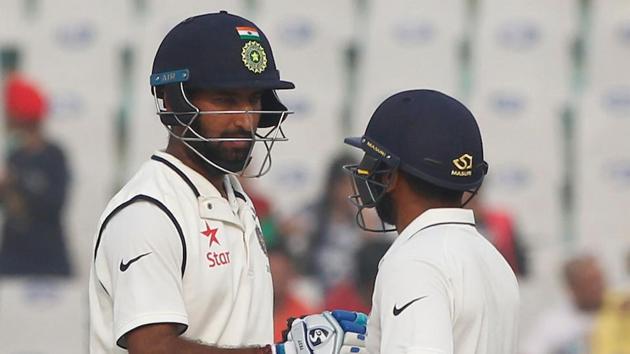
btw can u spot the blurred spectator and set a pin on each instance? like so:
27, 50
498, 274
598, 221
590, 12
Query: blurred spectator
499, 227
33, 188
334, 236
287, 304
264, 211
356, 294
568, 327
612, 327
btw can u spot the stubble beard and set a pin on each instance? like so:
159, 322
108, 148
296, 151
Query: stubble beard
230, 159
386, 210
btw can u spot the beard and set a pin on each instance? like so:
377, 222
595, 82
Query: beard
386, 210
231, 159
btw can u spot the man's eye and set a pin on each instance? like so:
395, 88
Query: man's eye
255, 100
223, 100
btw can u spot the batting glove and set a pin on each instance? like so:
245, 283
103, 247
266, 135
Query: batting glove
337, 332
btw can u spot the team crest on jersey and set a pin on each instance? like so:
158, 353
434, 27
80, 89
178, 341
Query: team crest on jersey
254, 57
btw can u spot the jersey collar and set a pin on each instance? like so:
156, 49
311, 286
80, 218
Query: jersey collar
197, 183
436, 217
431, 218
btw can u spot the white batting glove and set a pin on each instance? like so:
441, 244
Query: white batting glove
337, 332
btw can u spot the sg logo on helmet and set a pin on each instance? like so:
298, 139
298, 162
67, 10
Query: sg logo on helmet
318, 336
463, 166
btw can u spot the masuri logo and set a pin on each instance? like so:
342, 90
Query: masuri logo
463, 166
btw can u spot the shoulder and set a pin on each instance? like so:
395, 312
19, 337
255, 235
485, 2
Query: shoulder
442, 248
450, 240
157, 180
416, 260
423, 246
139, 225
141, 219
151, 183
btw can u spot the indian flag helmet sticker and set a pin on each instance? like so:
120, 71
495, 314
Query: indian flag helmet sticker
248, 33
254, 57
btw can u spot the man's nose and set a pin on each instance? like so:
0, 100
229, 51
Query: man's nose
245, 120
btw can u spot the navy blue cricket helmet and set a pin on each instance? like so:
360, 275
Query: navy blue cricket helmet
217, 51
426, 134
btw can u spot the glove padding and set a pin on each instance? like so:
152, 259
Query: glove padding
337, 332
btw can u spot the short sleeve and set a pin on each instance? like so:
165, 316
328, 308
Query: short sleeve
415, 309
142, 256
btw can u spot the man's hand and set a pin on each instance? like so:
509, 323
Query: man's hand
337, 332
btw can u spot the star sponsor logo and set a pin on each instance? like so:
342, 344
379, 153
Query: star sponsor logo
215, 259
211, 234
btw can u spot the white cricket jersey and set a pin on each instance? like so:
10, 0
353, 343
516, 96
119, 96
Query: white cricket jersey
171, 249
443, 288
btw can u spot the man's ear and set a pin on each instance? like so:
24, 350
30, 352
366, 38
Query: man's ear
391, 180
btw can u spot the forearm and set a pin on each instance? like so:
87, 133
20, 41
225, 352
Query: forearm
163, 339
180, 345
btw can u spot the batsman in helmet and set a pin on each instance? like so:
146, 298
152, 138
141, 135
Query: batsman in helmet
179, 260
441, 287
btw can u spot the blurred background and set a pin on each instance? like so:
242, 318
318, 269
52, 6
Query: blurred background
548, 81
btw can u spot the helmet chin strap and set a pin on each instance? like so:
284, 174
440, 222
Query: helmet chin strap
473, 193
